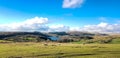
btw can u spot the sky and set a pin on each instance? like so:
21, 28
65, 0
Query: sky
60, 15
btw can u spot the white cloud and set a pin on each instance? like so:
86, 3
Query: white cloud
75, 29
41, 24
34, 24
28, 25
58, 28
101, 28
72, 3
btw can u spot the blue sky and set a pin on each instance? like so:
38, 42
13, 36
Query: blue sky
72, 13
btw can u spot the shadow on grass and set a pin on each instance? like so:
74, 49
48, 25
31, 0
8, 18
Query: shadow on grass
110, 52
61, 55
14, 57
72, 55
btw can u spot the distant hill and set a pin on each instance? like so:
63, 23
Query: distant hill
74, 36
20, 36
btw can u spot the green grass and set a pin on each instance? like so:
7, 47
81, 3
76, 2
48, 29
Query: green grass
115, 41
56, 50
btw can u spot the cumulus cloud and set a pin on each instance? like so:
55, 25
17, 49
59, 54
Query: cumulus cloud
72, 3
37, 23
33, 24
41, 24
58, 28
101, 28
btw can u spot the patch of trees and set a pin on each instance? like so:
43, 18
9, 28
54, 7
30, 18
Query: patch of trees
59, 33
76, 33
23, 36
73, 38
99, 39
26, 38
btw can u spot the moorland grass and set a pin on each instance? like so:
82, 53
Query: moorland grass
58, 50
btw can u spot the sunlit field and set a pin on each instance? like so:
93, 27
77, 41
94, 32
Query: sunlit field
58, 50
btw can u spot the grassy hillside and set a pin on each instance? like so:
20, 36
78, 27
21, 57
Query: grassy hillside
59, 50
63, 37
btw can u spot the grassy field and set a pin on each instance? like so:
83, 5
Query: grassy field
58, 50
